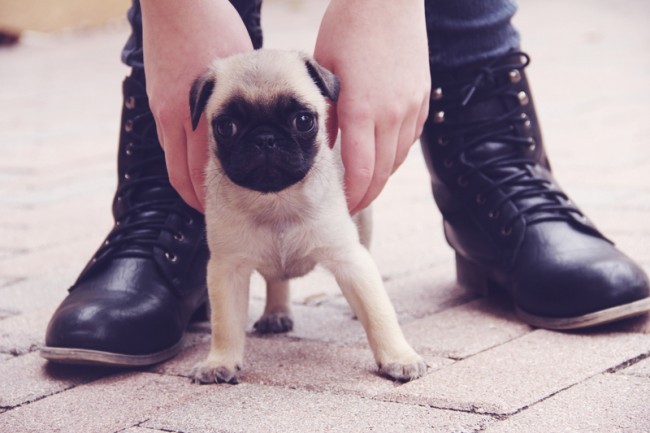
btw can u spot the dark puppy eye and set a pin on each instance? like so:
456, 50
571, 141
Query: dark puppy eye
304, 121
226, 127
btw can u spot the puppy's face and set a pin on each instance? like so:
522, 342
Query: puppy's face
266, 111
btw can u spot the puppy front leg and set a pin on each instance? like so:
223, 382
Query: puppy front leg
361, 284
228, 288
277, 313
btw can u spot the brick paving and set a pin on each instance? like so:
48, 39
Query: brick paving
59, 108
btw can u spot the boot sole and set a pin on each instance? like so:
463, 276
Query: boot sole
601, 317
65, 355
472, 276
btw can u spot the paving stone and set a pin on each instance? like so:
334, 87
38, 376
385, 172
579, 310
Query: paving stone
521, 372
467, 329
8, 312
427, 291
253, 408
603, 404
29, 378
300, 364
23, 333
45, 275
32, 229
38, 293
107, 405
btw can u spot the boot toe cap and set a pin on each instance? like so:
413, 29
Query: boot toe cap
576, 295
114, 325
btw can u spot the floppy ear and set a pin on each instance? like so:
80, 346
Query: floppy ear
327, 82
199, 94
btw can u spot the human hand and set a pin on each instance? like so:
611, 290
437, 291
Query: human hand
379, 51
180, 40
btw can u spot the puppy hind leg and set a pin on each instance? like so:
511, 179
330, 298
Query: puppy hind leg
277, 312
360, 282
228, 293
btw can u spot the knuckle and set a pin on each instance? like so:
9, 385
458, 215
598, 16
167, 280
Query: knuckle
197, 174
356, 115
393, 115
363, 175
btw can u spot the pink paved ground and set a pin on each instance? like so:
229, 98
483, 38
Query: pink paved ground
59, 107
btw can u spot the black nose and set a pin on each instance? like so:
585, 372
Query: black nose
265, 140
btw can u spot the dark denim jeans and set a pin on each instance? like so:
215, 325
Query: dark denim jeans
459, 31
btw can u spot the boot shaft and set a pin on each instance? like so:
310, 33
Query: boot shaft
490, 174
478, 113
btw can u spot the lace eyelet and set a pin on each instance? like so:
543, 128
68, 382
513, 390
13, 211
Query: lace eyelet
129, 148
448, 163
480, 199
523, 98
128, 125
171, 257
179, 237
129, 102
462, 181
533, 145
506, 231
494, 214
127, 176
439, 117
189, 221
443, 141
437, 94
515, 76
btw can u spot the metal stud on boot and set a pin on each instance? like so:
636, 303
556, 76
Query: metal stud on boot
511, 225
132, 302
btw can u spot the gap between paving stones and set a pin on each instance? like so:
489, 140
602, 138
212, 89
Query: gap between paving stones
628, 363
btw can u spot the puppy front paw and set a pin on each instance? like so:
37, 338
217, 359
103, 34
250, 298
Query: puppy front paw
274, 323
404, 370
210, 371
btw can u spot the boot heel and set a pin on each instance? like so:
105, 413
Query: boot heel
470, 276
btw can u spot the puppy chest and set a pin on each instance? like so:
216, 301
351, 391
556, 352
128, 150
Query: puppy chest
285, 256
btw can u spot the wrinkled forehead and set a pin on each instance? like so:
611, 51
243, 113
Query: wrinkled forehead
279, 81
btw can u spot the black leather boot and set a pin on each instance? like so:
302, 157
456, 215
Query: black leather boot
132, 302
509, 222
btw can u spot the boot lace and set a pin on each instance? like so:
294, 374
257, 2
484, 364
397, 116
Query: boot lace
513, 171
150, 199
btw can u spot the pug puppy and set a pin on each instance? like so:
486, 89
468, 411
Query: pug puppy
276, 204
